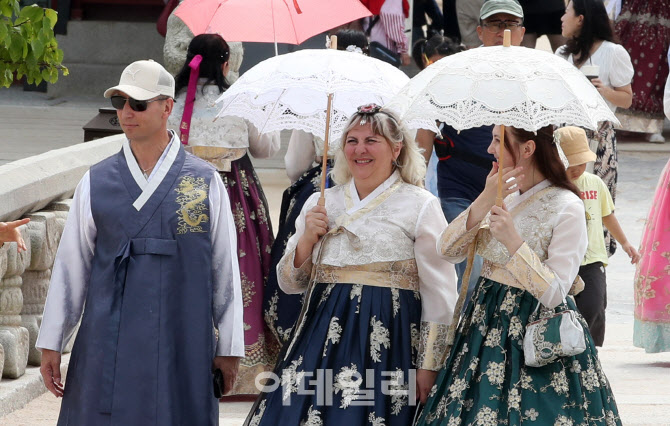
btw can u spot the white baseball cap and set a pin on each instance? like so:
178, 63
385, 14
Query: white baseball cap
143, 80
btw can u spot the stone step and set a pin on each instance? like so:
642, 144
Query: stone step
96, 52
87, 79
109, 42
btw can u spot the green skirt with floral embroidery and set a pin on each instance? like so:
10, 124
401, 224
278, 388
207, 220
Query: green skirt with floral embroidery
485, 381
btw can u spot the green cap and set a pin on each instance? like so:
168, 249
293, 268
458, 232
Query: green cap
492, 7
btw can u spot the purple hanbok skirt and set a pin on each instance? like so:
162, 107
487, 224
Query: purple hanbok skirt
254, 242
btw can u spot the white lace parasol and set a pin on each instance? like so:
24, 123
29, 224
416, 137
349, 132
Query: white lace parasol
515, 86
291, 91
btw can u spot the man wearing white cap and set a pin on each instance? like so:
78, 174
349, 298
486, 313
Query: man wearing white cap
149, 250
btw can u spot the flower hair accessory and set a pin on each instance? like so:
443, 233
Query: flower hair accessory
354, 48
367, 109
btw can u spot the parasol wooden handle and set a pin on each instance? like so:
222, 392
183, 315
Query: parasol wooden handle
333, 42
324, 163
499, 198
507, 42
507, 38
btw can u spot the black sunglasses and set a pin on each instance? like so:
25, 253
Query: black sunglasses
118, 102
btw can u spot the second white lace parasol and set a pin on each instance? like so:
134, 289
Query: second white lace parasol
512, 86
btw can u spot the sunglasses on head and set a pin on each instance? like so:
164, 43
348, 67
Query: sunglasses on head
118, 102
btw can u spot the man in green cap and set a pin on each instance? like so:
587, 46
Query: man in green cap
495, 17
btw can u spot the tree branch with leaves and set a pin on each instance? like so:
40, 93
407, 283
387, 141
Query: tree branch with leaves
28, 45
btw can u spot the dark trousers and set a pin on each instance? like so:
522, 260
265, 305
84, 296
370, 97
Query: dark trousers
593, 300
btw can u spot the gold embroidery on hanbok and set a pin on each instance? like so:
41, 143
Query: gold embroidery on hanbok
433, 346
271, 312
256, 419
514, 399
244, 181
334, 334
416, 337
495, 372
559, 382
262, 214
313, 417
291, 378
284, 334
395, 296
454, 421
399, 391
248, 291
493, 338
563, 421
590, 378
356, 291
400, 274
291, 204
326, 293
486, 417
441, 411
378, 337
530, 414
238, 216
376, 421
297, 277
192, 212
576, 367
348, 381
524, 269
457, 388
516, 328
509, 303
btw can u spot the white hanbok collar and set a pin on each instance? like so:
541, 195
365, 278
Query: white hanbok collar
357, 203
163, 165
520, 198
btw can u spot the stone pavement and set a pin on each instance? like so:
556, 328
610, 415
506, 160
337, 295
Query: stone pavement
640, 381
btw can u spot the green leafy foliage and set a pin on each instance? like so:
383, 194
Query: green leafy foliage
28, 45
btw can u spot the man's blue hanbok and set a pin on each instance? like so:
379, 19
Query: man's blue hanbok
152, 292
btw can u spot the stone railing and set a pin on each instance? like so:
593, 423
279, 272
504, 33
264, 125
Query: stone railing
40, 188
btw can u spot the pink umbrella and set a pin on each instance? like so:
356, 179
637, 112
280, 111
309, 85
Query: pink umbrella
278, 21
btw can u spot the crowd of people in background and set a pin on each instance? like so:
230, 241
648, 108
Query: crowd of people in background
341, 287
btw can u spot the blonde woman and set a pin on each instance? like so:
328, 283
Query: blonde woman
379, 298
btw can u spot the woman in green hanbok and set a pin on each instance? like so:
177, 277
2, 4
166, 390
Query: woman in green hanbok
532, 248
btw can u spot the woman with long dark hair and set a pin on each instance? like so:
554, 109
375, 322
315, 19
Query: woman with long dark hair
227, 144
532, 248
592, 47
